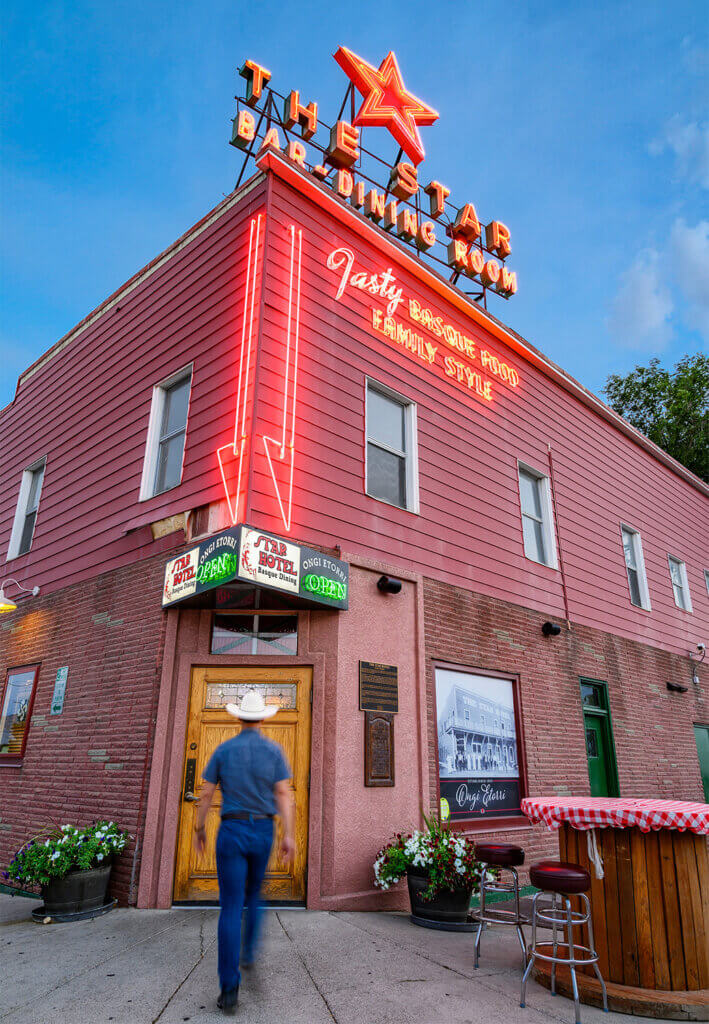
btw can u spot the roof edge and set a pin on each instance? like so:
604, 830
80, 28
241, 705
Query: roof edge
141, 275
288, 171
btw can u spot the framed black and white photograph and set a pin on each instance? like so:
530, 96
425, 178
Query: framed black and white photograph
478, 749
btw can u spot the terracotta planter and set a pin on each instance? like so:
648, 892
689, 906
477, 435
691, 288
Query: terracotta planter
447, 910
78, 892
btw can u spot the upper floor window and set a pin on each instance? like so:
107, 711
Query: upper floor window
706, 579
680, 583
635, 567
391, 469
165, 445
26, 511
537, 518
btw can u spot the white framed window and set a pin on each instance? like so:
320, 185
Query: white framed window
706, 579
537, 516
26, 511
680, 583
167, 428
635, 567
391, 463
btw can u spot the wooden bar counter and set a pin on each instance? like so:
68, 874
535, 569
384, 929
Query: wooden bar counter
650, 908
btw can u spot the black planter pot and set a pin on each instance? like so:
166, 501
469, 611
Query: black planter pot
448, 910
79, 892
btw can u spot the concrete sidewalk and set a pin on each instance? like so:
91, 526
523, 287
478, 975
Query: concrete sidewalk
150, 966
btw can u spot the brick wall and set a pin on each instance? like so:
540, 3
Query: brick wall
91, 761
653, 728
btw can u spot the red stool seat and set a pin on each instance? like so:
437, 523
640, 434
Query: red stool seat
556, 876
500, 854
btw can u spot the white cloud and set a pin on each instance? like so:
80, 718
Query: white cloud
689, 247
642, 307
689, 141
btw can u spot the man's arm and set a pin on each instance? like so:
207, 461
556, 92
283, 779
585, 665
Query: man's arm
205, 802
286, 810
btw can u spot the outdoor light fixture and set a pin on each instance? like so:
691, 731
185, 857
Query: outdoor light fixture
8, 605
677, 688
389, 585
551, 629
699, 658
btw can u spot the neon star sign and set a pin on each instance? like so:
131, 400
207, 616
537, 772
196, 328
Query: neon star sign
387, 102
417, 213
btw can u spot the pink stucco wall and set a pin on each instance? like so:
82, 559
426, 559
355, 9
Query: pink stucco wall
348, 823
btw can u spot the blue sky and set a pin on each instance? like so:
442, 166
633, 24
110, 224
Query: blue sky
581, 125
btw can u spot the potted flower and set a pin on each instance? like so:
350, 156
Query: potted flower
71, 865
441, 871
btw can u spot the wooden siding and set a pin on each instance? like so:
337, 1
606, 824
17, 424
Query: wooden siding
86, 408
468, 531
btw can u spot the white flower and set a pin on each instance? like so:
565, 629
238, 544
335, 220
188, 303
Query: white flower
54, 855
99, 856
47, 842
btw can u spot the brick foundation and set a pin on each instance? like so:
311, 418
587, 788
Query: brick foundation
653, 728
91, 761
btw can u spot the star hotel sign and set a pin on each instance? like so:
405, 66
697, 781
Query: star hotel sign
387, 102
472, 248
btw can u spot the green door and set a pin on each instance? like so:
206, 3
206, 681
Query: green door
597, 752
701, 734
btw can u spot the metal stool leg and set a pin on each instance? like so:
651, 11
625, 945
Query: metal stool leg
572, 969
592, 944
556, 944
520, 932
532, 948
481, 925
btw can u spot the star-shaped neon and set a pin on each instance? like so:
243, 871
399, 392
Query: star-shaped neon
387, 102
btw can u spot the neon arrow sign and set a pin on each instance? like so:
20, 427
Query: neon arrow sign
283, 452
232, 463
279, 451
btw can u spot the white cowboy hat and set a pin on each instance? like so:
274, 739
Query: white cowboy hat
253, 708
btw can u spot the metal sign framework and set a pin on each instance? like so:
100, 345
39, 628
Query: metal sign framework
268, 114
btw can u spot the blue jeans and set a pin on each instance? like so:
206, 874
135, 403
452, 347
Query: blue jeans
243, 849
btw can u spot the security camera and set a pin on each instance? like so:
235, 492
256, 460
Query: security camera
701, 648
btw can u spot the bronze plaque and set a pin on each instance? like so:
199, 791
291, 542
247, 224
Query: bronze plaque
378, 748
378, 687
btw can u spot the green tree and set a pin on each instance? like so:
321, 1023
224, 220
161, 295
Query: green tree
671, 407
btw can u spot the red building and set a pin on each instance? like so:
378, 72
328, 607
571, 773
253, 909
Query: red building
290, 365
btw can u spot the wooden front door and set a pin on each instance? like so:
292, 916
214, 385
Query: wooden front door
209, 724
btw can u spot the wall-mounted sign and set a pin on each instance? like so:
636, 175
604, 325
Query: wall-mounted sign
264, 121
59, 690
378, 748
378, 687
247, 555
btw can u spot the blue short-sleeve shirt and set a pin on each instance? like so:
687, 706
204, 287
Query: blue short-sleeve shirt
247, 767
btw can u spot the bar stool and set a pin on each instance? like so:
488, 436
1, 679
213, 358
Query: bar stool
507, 858
562, 880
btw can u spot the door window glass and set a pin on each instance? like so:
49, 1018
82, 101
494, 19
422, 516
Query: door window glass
255, 634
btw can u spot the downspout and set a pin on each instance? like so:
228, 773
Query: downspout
558, 538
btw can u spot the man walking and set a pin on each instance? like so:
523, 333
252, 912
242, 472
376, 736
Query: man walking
253, 775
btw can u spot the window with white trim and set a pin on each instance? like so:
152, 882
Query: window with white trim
537, 516
391, 464
165, 445
635, 567
26, 511
680, 583
706, 579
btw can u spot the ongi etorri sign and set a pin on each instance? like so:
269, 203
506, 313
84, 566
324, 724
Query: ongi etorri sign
245, 555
